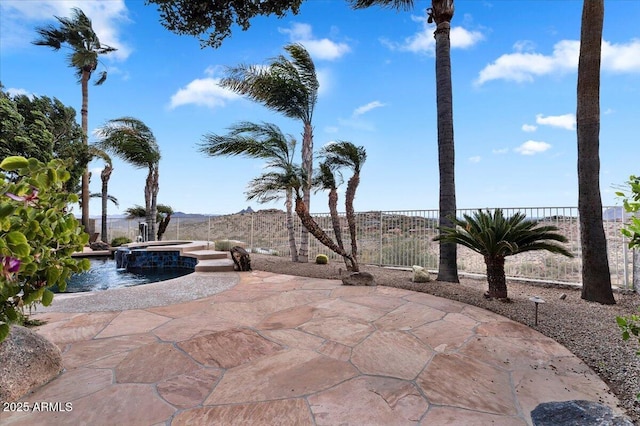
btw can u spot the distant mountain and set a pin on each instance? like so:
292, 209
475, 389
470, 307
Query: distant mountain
615, 213
190, 215
247, 210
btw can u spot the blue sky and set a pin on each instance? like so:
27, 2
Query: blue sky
514, 80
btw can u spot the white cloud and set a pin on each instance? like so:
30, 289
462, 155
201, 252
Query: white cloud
20, 17
17, 92
500, 151
566, 121
525, 64
621, 58
331, 129
475, 159
317, 48
529, 128
532, 147
368, 107
423, 41
203, 92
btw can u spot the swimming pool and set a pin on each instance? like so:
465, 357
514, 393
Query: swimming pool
103, 275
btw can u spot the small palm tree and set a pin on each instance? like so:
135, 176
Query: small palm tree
77, 33
496, 237
105, 175
267, 142
345, 154
325, 180
132, 141
163, 217
290, 87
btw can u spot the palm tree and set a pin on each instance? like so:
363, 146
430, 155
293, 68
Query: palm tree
314, 229
440, 12
496, 237
77, 33
132, 141
346, 154
290, 87
325, 180
596, 277
163, 217
267, 142
105, 175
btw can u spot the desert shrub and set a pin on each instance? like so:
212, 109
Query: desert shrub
223, 245
322, 259
118, 241
37, 235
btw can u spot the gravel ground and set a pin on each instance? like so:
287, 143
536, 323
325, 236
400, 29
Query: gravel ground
587, 329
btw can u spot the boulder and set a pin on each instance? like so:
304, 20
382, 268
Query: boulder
99, 246
241, 258
576, 413
27, 361
420, 274
359, 278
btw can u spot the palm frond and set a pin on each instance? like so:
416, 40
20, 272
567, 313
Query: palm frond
131, 140
344, 154
491, 234
394, 4
289, 87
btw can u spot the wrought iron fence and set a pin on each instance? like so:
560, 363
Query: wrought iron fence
403, 238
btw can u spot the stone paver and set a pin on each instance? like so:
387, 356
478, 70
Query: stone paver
285, 350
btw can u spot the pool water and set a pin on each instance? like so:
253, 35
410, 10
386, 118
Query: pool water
103, 275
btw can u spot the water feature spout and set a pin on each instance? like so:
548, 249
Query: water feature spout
122, 257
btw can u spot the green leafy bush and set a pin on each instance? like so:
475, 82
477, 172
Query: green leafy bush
37, 235
118, 241
630, 325
322, 259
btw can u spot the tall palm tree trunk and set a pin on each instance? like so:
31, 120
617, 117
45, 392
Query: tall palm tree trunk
290, 231
350, 195
84, 113
335, 220
147, 203
307, 166
596, 278
448, 268
496, 277
152, 206
316, 231
105, 175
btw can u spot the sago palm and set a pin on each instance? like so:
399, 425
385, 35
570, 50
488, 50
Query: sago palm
496, 237
290, 87
342, 154
77, 34
134, 142
263, 141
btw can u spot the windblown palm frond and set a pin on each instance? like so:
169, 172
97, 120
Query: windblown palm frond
264, 141
111, 198
77, 32
395, 4
131, 140
289, 87
344, 154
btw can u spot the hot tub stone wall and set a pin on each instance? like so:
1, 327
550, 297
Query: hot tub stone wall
143, 259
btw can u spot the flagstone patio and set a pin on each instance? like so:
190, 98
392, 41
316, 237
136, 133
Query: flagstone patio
284, 350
